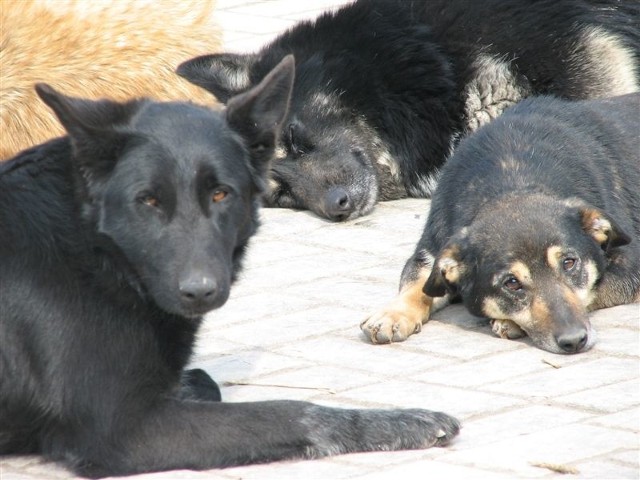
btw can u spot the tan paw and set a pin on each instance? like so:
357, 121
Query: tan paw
506, 329
388, 326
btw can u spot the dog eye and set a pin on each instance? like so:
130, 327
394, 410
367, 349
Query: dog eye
295, 144
149, 200
218, 195
568, 264
292, 139
513, 284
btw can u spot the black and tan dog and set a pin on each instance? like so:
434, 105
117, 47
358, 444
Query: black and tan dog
535, 222
385, 88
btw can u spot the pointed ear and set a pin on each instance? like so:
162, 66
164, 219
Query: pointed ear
223, 74
257, 114
602, 228
446, 272
90, 125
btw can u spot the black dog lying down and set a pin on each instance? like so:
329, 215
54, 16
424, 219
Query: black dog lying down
115, 241
536, 221
384, 88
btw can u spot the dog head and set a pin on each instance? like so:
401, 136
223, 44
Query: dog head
327, 155
172, 189
533, 260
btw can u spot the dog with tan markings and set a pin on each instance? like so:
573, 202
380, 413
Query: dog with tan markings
118, 49
535, 222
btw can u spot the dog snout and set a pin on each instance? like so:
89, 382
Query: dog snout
338, 204
198, 292
573, 341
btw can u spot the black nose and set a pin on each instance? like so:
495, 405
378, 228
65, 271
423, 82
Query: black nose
338, 204
198, 292
572, 341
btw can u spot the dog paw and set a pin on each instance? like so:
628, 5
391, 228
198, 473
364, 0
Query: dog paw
345, 431
506, 329
389, 326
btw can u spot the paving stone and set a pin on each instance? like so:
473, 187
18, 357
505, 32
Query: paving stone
290, 331
515, 422
494, 368
609, 398
564, 445
626, 419
355, 353
461, 403
573, 378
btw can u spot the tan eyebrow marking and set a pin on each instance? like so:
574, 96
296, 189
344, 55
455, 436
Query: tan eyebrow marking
554, 253
521, 271
491, 308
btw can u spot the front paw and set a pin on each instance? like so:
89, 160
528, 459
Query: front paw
390, 325
506, 329
196, 384
334, 431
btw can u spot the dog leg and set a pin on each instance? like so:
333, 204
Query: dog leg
196, 384
506, 329
178, 434
406, 313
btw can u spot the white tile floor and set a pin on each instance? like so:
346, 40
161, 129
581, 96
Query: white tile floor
290, 330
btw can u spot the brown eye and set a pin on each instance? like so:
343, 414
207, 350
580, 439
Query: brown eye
218, 195
568, 263
150, 201
512, 284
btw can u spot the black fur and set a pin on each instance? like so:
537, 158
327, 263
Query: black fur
384, 88
113, 243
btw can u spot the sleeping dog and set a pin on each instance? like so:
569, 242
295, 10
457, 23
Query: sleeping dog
534, 223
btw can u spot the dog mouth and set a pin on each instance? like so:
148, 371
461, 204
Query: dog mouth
341, 203
190, 302
565, 342
336, 203
334, 190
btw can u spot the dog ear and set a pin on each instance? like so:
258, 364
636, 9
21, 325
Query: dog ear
602, 228
446, 272
223, 74
257, 114
90, 125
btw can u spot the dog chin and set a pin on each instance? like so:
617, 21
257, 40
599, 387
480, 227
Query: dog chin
550, 345
193, 312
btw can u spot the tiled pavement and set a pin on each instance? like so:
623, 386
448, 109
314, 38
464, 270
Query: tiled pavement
290, 330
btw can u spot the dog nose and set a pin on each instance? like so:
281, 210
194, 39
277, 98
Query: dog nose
572, 341
197, 292
338, 204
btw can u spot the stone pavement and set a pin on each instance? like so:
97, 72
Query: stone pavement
290, 331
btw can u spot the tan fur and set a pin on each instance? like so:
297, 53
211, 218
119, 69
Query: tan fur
595, 225
449, 265
491, 308
554, 253
118, 49
541, 318
403, 316
522, 272
507, 329
573, 300
588, 292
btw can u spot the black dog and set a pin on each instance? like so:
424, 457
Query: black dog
114, 241
384, 88
536, 221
